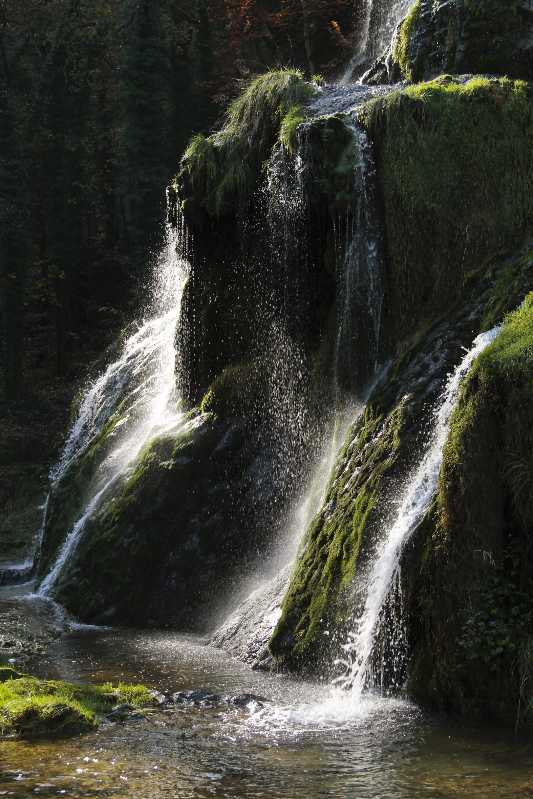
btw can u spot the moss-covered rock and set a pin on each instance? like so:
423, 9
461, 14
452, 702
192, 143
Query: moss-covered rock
460, 36
34, 708
320, 593
455, 168
381, 449
190, 516
472, 568
219, 173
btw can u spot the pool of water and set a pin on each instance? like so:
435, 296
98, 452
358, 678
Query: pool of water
305, 741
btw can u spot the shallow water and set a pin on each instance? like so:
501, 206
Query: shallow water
305, 742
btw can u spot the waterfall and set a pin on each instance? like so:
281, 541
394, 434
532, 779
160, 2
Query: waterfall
247, 627
359, 282
419, 491
379, 21
133, 400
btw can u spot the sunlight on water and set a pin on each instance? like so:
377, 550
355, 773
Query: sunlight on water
136, 395
419, 491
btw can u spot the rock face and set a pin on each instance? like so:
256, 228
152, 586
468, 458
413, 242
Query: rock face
178, 532
470, 571
425, 282
460, 36
323, 600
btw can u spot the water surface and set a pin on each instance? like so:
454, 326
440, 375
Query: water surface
305, 742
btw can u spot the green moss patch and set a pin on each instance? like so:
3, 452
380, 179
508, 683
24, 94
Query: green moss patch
473, 640
400, 50
32, 708
320, 586
221, 171
455, 167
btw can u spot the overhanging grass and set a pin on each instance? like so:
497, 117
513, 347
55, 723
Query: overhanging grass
222, 170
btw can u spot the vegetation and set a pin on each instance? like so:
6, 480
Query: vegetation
320, 591
378, 453
473, 651
289, 124
400, 50
223, 169
32, 708
455, 168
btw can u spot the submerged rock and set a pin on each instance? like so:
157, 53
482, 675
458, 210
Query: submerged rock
204, 698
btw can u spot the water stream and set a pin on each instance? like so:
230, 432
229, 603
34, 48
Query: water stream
415, 499
136, 394
306, 740
377, 20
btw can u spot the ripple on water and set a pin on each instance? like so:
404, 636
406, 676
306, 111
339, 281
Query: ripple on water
307, 741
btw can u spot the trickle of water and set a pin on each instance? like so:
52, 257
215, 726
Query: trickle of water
136, 394
379, 20
360, 283
419, 491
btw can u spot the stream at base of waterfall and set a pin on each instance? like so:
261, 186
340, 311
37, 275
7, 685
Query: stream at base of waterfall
285, 740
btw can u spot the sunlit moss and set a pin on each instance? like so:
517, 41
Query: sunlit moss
224, 168
289, 125
319, 592
32, 708
455, 169
400, 50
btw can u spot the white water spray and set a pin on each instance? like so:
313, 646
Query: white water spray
415, 502
136, 395
378, 22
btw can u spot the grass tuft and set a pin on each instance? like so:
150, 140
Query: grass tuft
223, 169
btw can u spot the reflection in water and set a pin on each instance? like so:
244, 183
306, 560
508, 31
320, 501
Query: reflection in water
305, 742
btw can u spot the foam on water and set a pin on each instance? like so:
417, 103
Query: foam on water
331, 709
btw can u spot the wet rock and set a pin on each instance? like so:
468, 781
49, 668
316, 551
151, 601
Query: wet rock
243, 700
160, 698
489, 36
121, 713
198, 697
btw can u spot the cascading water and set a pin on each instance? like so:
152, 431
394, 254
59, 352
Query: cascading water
359, 298
419, 491
133, 400
378, 21
359, 283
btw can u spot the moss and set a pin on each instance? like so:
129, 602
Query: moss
400, 50
455, 168
512, 281
235, 392
472, 643
289, 124
68, 495
31, 708
222, 170
320, 587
